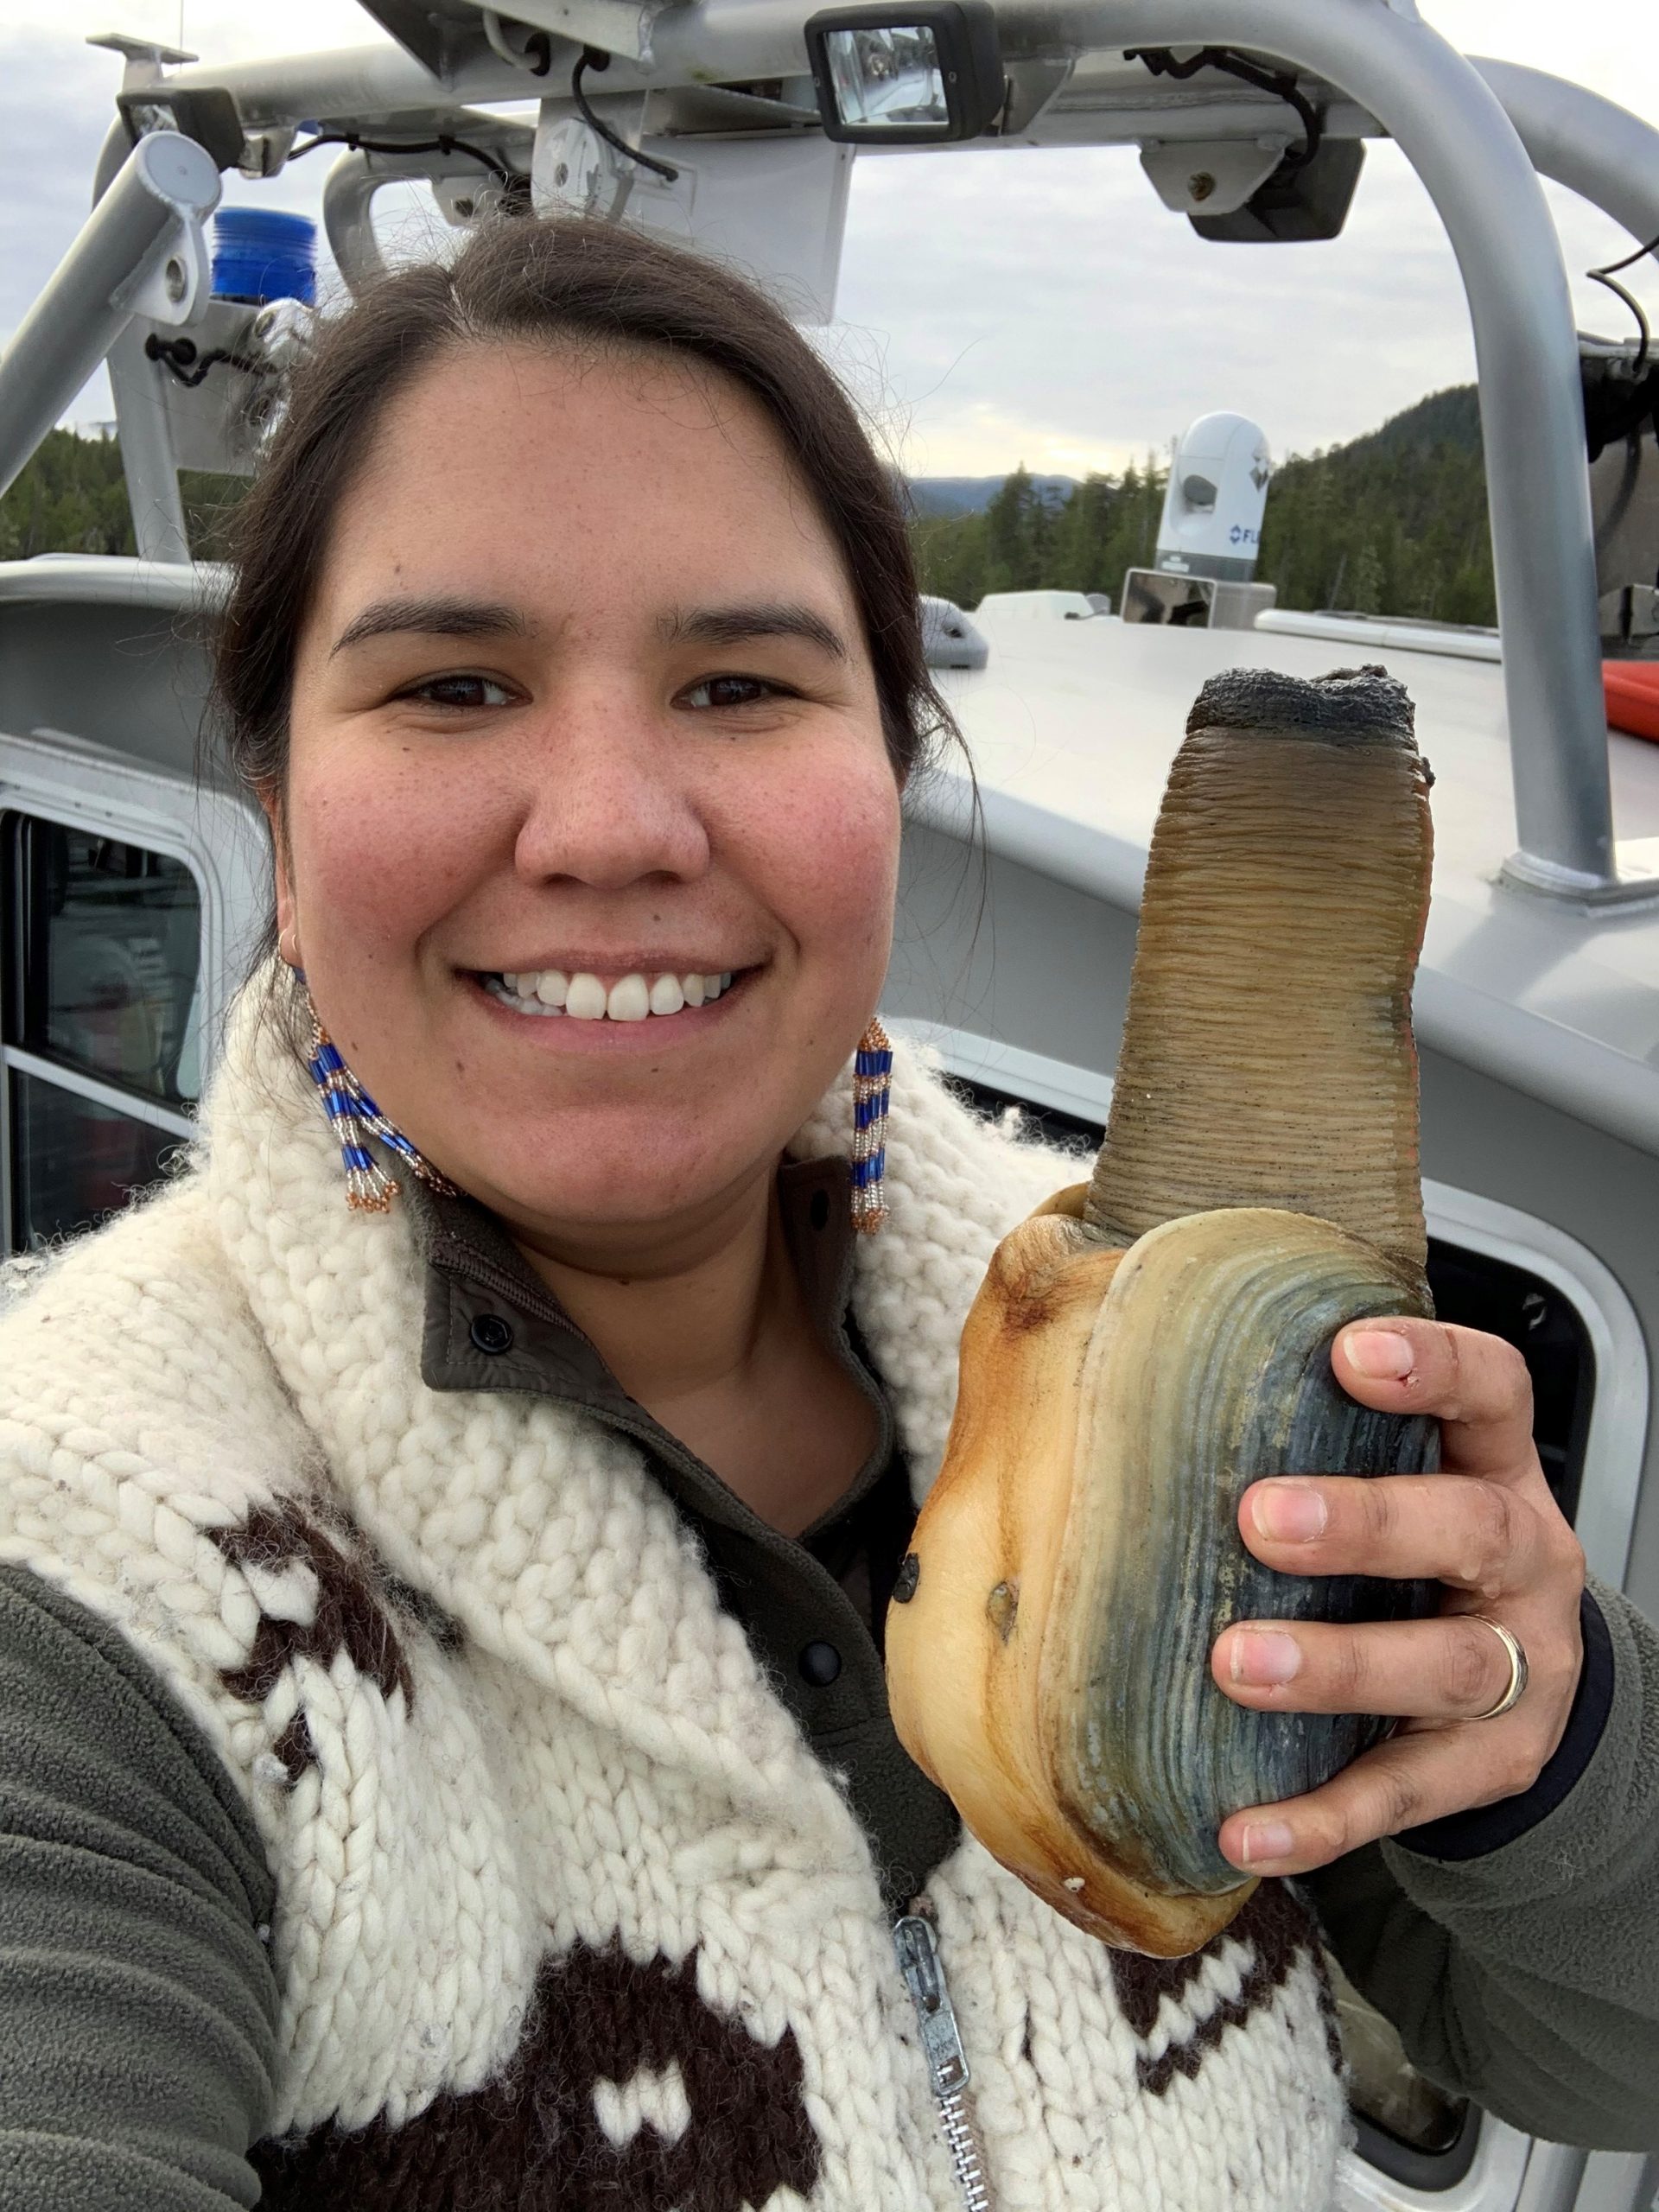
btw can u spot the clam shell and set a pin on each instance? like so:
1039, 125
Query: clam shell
1209, 1368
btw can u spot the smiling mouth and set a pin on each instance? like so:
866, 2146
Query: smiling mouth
585, 997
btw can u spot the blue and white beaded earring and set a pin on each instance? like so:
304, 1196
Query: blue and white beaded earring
872, 1092
354, 1118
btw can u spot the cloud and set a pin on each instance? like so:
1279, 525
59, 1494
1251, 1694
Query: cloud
1046, 307
997, 305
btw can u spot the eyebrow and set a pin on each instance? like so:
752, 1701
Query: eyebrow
736, 626
433, 618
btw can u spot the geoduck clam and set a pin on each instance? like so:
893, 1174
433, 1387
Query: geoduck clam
1146, 1346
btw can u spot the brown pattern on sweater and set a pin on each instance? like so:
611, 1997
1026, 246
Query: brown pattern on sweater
532, 2141
1278, 1931
349, 1617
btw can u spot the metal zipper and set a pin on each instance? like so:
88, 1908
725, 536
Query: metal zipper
947, 2063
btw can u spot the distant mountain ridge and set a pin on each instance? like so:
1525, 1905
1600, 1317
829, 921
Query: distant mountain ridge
947, 496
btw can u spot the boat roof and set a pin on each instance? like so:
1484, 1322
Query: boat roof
1072, 727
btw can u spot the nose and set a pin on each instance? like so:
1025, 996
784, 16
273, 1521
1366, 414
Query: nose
608, 800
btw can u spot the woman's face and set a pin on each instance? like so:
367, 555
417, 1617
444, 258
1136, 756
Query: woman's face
582, 710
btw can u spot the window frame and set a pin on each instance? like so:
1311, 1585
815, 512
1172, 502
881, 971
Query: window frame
149, 834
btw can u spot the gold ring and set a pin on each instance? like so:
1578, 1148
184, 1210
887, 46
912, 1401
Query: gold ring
1517, 1681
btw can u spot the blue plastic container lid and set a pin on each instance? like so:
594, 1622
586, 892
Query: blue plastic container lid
260, 253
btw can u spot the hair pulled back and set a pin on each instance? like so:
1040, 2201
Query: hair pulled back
522, 279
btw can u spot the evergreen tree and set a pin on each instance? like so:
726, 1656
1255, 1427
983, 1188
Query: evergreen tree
1082, 535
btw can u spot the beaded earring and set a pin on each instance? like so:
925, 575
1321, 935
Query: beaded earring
871, 1090
354, 1117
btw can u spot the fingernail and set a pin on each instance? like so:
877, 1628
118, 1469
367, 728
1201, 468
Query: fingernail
1264, 1655
1379, 1352
1291, 1513
1266, 1840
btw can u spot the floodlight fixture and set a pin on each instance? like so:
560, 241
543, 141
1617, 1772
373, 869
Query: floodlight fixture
917, 75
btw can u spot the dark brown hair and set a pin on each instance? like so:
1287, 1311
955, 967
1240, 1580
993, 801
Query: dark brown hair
519, 279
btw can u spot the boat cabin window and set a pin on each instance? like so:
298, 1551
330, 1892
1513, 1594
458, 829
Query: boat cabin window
101, 1037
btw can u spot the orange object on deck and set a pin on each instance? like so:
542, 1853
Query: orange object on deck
1633, 691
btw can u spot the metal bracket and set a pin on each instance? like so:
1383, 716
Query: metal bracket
620, 27
1212, 176
144, 57
1034, 86
575, 172
174, 280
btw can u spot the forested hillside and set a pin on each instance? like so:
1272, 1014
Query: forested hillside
1393, 523
72, 498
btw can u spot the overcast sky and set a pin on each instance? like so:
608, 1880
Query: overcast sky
1035, 308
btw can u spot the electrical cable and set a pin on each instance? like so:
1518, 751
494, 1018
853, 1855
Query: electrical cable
1613, 268
1606, 276
181, 356
593, 57
1162, 61
535, 56
445, 143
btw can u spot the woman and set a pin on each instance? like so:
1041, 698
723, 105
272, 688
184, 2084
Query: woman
447, 1762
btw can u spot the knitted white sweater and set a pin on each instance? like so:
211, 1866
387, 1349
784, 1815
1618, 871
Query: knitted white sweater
567, 1911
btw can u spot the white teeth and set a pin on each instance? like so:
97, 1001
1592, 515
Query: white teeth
550, 990
630, 999
587, 999
519, 991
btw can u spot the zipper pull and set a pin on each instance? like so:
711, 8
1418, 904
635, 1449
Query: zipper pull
918, 1962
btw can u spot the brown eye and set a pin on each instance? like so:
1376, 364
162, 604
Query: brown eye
731, 691
459, 692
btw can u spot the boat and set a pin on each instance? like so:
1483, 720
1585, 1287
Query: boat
132, 893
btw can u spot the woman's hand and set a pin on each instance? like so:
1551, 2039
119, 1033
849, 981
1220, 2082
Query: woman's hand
1488, 1529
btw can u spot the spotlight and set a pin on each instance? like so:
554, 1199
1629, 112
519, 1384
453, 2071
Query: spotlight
919, 75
